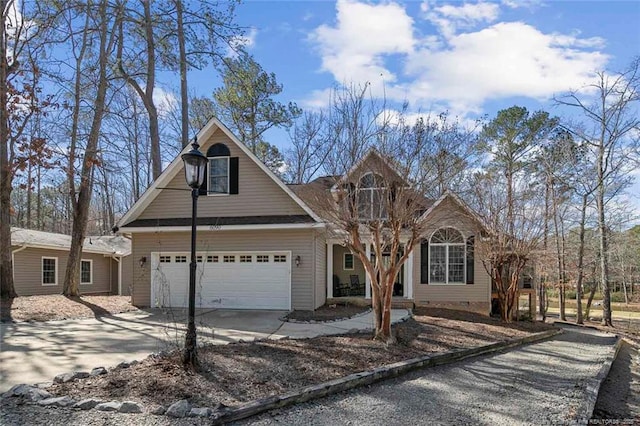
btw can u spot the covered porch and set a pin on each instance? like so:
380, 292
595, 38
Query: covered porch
348, 280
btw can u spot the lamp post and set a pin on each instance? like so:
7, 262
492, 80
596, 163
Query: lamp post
194, 166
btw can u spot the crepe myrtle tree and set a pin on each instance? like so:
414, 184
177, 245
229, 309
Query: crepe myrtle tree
376, 205
513, 223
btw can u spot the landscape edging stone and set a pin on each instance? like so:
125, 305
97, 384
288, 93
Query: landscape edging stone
585, 410
368, 377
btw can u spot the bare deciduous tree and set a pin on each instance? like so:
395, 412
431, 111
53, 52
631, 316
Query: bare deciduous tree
609, 130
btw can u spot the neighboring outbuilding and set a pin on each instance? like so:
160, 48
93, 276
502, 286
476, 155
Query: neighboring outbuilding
40, 261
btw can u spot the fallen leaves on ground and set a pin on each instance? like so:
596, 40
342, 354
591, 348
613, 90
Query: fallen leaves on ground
240, 372
59, 307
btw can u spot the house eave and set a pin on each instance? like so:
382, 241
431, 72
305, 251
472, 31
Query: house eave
218, 228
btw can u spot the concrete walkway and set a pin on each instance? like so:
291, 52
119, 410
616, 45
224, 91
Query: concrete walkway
36, 352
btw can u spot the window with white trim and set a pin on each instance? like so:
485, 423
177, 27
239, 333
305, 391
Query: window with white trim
181, 259
279, 258
371, 197
165, 259
447, 257
229, 259
49, 271
246, 258
212, 259
86, 271
347, 262
199, 259
262, 258
218, 175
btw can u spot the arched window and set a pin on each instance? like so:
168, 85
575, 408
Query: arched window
371, 197
447, 257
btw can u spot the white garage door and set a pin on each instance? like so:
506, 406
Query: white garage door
232, 280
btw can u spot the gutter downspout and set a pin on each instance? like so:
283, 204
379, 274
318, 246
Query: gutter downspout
118, 259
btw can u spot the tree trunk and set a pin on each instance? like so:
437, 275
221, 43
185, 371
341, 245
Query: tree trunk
592, 293
183, 75
583, 218
146, 95
81, 207
7, 289
604, 258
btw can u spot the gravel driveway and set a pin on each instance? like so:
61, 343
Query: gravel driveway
537, 384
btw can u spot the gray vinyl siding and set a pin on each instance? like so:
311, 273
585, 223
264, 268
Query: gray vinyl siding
127, 274
258, 194
299, 242
114, 277
449, 214
27, 272
321, 271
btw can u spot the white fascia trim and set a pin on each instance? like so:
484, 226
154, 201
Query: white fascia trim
46, 247
156, 229
172, 170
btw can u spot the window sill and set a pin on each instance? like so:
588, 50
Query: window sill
447, 284
49, 285
218, 194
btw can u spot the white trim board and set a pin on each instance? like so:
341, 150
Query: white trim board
221, 228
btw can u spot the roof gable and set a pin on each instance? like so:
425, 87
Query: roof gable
152, 203
372, 162
450, 196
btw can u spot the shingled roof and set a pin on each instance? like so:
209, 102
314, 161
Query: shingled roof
105, 244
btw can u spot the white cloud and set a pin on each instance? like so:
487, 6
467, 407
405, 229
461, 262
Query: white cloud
470, 60
246, 41
363, 35
449, 19
165, 101
503, 60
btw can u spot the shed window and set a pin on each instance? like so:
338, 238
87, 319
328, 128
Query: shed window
49, 271
86, 271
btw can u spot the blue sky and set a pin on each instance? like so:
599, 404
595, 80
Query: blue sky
470, 58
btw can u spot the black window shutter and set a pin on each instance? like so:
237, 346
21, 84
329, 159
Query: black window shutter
424, 262
233, 175
470, 259
203, 187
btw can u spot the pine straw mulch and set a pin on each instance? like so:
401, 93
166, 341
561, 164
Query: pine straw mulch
236, 373
59, 307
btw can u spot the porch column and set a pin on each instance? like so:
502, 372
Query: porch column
367, 280
408, 276
329, 270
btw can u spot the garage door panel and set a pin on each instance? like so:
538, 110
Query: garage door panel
239, 285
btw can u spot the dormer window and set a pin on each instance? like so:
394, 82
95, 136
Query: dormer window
222, 172
371, 198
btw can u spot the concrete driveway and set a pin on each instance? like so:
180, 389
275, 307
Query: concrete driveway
37, 352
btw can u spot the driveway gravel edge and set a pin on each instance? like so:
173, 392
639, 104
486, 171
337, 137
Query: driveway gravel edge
375, 375
592, 388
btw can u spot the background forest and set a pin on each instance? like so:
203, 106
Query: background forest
85, 129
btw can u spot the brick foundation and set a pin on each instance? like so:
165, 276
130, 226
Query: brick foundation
483, 308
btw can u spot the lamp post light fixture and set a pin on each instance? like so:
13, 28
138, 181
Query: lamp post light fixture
194, 166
